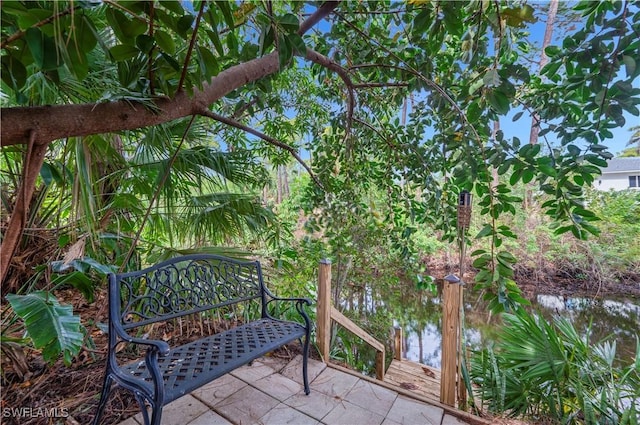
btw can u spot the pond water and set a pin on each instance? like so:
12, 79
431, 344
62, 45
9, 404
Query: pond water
618, 319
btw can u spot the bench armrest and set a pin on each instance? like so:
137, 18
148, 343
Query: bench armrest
299, 305
306, 301
160, 346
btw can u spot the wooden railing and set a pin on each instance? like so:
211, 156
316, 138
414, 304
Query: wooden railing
326, 313
452, 385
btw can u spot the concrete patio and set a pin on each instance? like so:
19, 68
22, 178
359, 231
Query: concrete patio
270, 392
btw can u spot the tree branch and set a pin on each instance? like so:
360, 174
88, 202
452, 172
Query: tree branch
322, 12
21, 33
374, 85
328, 63
192, 43
60, 121
233, 123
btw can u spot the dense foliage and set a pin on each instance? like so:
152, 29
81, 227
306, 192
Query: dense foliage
137, 130
548, 371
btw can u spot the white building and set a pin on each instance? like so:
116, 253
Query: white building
622, 173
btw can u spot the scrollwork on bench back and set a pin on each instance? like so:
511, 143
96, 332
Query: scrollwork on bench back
185, 286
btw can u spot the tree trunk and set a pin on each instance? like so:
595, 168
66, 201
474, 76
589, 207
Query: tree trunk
548, 34
34, 160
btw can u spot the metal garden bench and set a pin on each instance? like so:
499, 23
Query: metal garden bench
193, 285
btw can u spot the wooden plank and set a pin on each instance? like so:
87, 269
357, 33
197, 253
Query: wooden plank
407, 373
414, 373
355, 329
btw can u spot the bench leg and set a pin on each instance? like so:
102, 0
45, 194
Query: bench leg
104, 396
156, 412
305, 356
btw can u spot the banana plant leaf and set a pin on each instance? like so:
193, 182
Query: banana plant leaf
51, 326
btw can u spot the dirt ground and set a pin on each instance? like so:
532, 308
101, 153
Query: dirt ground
74, 390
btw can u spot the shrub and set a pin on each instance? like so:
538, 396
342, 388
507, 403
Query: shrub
548, 371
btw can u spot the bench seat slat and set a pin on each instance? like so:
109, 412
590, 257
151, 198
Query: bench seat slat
192, 365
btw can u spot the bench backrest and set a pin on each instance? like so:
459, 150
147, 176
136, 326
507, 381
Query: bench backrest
181, 286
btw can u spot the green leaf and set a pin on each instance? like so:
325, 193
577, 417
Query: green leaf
51, 326
78, 280
49, 174
215, 39
486, 231
184, 23
421, 20
629, 65
527, 175
120, 24
517, 17
266, 39
515, 176
491, 78
284, 51
224, 7
14, 73
145, 43
165, 42
77, 63
84, 35
122, 52
297, 43
552, 51
208, 62
43, 49
174, 6
517, 116
499, 101
289, 22
595, 160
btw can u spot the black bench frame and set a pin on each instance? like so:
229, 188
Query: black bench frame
182, 286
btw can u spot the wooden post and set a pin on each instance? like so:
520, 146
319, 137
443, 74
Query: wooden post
462, 389
397, 343
324, 309
380, 365
450, 341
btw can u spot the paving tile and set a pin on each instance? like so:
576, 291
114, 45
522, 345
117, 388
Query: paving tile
283, 414
349, 414
278, 386
372, 397
216, 391
275, 363
209, 418
452, 420
253, 372
293, 370
409, 412
180, 411
246, 406
316, 404
334, 383
388, 421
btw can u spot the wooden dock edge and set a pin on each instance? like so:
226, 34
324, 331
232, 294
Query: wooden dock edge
460, 414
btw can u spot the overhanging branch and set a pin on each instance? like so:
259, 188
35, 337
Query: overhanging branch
60, 121
266, 138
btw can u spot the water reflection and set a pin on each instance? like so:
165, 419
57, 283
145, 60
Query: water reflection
618, 319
